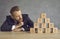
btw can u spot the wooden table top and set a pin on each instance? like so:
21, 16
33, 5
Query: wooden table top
27, 35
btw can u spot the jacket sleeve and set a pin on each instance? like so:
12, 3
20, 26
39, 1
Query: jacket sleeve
29, 22
6, 26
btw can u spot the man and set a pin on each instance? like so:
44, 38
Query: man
17, 21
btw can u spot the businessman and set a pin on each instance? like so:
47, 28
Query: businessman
17, 21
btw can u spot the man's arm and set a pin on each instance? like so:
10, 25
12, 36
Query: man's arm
6, 26
29, 24
17, 27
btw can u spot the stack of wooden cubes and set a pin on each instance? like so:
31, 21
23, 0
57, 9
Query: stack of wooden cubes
43, 25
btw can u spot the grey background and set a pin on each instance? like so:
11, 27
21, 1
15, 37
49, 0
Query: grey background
33, 8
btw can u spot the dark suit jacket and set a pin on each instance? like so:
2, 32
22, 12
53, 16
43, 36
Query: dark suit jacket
7, 25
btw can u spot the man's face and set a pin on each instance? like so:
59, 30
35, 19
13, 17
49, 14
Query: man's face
17, 15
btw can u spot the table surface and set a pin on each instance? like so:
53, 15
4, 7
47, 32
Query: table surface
27, 35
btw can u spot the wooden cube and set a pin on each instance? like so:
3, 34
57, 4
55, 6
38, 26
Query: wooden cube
43, 25
43, 15
47, 25
47, 20
39, 20
51, 25
39, 30
55, 30
40, 25
44, 30
36, 25
43, 20
32, 30
47, 30
36, 30
51, 30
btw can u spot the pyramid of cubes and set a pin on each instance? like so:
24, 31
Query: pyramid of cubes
43, 25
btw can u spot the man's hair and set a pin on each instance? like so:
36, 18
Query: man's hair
15, 8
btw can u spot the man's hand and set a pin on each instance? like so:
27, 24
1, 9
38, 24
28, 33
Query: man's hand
17, 30
17, 27
20, 22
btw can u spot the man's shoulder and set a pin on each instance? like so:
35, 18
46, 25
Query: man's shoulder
25, 15
8, 17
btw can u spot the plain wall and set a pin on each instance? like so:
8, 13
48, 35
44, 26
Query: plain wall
34, 8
